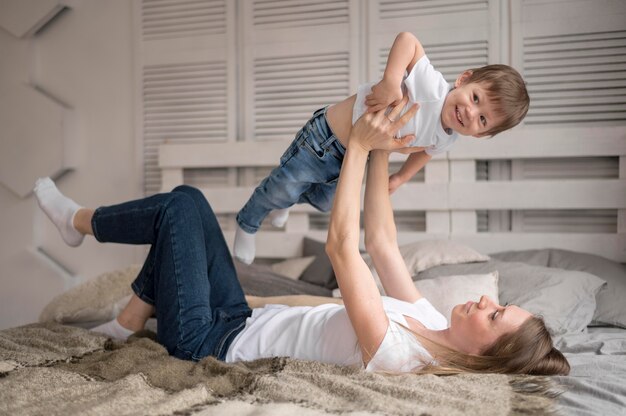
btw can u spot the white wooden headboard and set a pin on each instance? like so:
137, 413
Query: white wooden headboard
450, 195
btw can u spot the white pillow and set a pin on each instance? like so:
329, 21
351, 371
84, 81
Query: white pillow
422, 255
292, 268
448, 291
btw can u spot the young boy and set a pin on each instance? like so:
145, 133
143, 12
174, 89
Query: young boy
483, 102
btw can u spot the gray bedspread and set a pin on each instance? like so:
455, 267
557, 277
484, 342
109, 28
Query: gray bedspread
52, 369
597, 382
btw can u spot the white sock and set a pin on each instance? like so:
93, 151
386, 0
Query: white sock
114, 329
278, 217
245, 246
60, 209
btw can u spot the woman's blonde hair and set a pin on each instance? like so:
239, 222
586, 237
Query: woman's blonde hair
528, 350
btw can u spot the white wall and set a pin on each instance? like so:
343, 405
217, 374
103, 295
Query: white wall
83, 58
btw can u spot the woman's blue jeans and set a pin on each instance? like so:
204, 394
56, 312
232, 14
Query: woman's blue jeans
188, 275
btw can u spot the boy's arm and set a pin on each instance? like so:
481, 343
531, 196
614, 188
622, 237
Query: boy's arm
413, 164
405, 52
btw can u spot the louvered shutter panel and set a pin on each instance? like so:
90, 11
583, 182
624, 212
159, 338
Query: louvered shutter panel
449, 59
566, 221
187, 78
393, 9
576, 77
570, 168
574, 63
455, 33
288, 88
297, 59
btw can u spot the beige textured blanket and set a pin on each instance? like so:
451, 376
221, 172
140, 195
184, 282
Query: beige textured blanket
51, 369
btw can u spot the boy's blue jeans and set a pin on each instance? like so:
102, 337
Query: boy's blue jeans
188, 275
307, 173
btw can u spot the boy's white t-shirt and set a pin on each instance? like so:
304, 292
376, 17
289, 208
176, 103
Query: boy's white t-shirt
426, 86
324, 333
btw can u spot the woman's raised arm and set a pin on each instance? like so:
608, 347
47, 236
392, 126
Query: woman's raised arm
360, 295
380, 231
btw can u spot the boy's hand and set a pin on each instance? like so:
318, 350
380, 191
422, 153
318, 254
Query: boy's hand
395, 181
377, 130
384, 94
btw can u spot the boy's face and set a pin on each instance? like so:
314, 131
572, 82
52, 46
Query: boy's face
467, 110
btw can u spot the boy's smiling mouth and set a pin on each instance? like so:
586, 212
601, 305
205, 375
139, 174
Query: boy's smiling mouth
458, 115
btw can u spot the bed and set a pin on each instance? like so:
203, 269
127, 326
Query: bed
57, 367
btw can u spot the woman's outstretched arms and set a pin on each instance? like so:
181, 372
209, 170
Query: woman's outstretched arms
380, 232
360, 294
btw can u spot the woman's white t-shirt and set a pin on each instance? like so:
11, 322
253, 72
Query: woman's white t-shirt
426, 86
324, 333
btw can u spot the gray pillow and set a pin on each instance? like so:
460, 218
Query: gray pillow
539, 257
565, 299
320, 272
259, 280
611, 303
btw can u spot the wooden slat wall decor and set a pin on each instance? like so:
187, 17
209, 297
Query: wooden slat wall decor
573, 60
186, 76
556, 180
601, 195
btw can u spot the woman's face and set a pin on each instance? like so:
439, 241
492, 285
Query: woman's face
475, 326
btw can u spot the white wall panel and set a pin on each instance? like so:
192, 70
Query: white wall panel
83, 58
297, 57
574, 61
186, 76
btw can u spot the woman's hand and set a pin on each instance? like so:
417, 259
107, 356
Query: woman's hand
377, 130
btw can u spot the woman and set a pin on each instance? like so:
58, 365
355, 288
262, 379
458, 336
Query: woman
189, 281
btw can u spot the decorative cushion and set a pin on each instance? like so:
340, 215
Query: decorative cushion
292, 268
534, 257
423, 255
610, 303
320, 272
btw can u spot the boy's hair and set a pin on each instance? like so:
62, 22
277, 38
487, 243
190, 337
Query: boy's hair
506, 89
